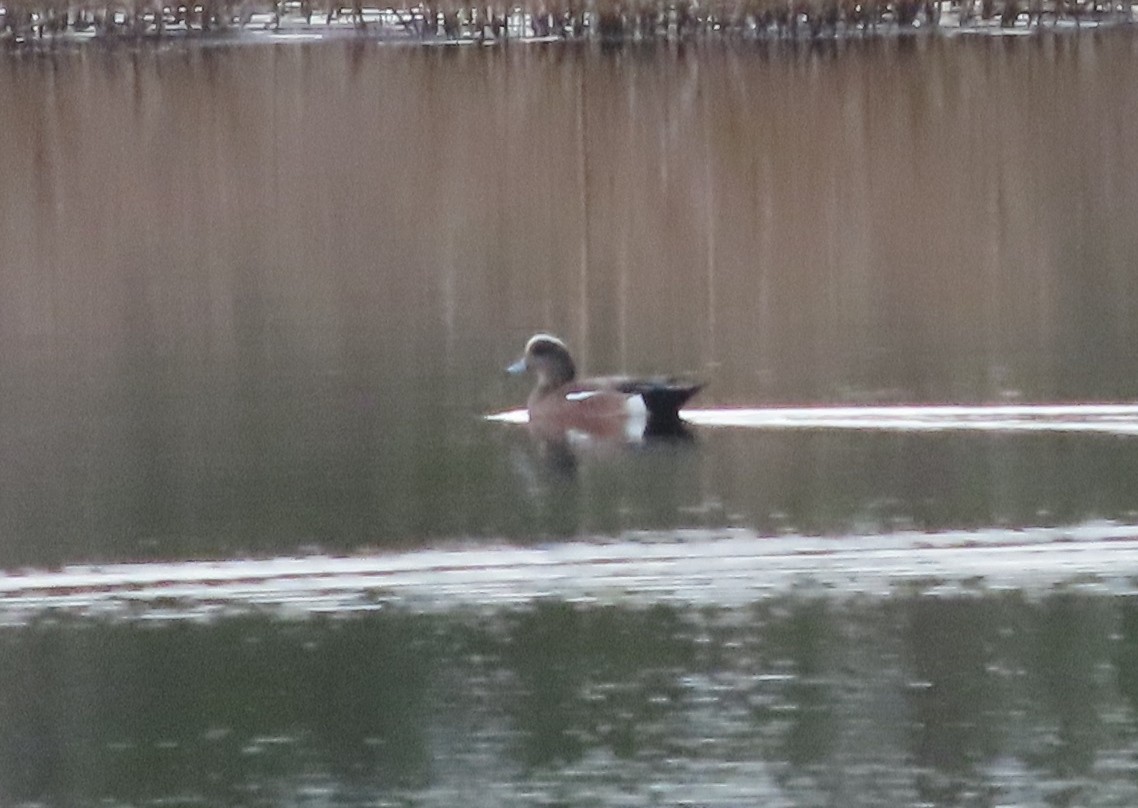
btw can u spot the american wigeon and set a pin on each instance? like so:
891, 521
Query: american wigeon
597, 406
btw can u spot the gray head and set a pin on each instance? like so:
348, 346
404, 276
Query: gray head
547, 357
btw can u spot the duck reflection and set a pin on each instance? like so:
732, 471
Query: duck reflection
560, 449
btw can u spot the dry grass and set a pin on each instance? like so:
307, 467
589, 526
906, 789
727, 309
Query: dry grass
24, 21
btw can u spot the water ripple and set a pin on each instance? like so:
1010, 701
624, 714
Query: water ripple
692, 567
1117, 419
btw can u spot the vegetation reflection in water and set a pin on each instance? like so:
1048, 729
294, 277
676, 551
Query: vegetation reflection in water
983, 699
257, 300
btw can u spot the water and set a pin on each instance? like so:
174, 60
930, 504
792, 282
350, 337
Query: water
261, 544
793, 701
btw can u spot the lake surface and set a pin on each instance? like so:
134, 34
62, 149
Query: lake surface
261, 545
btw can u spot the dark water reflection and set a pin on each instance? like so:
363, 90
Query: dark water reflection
960, 701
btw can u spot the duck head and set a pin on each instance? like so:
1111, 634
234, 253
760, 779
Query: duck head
548, 358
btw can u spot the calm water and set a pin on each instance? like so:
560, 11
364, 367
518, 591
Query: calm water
256, 301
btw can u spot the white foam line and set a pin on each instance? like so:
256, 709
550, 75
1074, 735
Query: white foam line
736, 568
509, 417
1118, 419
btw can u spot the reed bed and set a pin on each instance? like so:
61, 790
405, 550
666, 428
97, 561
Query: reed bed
23, 21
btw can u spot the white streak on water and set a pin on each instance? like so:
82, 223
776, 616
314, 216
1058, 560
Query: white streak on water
510, 417
1115, 419
696, 568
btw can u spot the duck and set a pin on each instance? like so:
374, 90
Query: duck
602, 407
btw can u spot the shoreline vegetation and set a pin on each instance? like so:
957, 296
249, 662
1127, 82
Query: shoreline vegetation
47, 22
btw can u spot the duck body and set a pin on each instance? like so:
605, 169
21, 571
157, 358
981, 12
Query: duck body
603, 407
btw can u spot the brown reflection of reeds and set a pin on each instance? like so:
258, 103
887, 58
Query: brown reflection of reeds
793, 228
225, 265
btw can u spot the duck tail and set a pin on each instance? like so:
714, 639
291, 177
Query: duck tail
664, 400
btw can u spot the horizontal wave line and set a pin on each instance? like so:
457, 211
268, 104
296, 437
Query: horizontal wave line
1118, 419
693, 567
